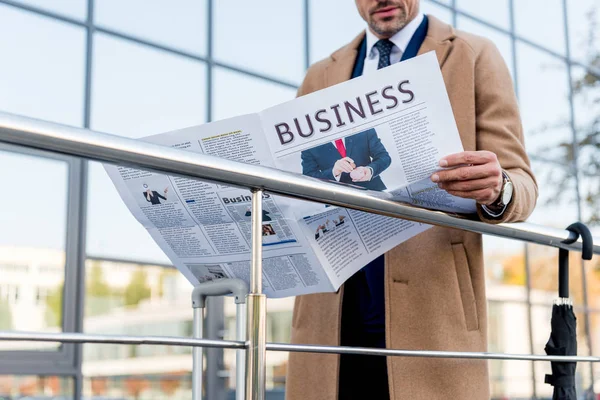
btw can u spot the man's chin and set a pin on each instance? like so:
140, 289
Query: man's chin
387, 29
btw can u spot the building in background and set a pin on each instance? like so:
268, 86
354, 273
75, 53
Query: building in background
142, 67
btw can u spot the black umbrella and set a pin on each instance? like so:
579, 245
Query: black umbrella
563, 337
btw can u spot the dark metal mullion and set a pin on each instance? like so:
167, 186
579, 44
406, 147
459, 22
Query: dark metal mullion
513, 44
575, 172
195, 57
81, 186
454, 14
306, 34
209, 61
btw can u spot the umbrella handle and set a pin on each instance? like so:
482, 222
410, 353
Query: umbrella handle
587, 253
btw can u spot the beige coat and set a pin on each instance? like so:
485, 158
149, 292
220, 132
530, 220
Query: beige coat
435, 282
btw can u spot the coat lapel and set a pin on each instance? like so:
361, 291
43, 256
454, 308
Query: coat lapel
340, 70
439, 39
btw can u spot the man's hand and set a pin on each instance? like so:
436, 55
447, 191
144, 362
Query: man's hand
475, 175
346, 164
166, 190
361, 174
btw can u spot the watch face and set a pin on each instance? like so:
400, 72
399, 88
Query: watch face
508, 192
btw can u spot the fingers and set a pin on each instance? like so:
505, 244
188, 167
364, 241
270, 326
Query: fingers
482, 196
470, 185
466, 173
350, 161
344, 166
468, 157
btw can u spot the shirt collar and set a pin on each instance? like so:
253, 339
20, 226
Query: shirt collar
400, 39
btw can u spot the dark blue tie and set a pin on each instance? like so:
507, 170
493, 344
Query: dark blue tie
384, 47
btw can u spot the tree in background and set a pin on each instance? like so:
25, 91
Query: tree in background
99, 294
137, 289
586, 95
53, 312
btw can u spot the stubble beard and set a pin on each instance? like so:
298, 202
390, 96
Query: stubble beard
388, 27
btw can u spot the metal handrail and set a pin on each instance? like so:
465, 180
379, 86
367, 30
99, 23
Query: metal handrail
119, 150
287, 347
107, 148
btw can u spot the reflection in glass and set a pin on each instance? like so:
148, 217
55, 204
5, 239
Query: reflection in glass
544, 100
236, 94
501, 40
557, 202
495, 12
140, 300
279, 324
586, 101
542, 22
181, 25
42, 68
266, 37
507, 333
584, 30
35, 387
32, 245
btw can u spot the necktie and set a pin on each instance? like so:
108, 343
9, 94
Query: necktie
384, 47
339, 144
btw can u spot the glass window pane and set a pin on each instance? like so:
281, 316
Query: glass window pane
32, 245
508, 333
542, 22
544, 100
440, 12
586, 100
504, 261
261, 94
35, 387
182, 24
42, 68
70, 8
496, 12
557, 202
138, 91
266, 37
584, 33
140, 300
279, 324
501, 40
328, 34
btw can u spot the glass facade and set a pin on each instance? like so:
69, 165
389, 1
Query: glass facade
136, 68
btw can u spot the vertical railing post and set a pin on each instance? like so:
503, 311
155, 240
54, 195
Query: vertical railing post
256, 308
197, 354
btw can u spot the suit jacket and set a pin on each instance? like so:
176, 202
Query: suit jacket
435, 282
154, 199
364, 148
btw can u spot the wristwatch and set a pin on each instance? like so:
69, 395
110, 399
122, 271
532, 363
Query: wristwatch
505, 194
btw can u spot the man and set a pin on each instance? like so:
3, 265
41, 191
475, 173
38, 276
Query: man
153, 197
429, 292
357, 159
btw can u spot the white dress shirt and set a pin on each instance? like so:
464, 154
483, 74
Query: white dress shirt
400, 40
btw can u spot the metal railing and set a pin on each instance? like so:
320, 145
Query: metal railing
138, 154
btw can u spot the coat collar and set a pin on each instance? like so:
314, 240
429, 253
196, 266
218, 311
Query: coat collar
439, 38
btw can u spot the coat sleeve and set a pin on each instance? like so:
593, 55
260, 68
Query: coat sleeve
499, 130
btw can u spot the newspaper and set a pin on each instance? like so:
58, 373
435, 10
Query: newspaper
385, 132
